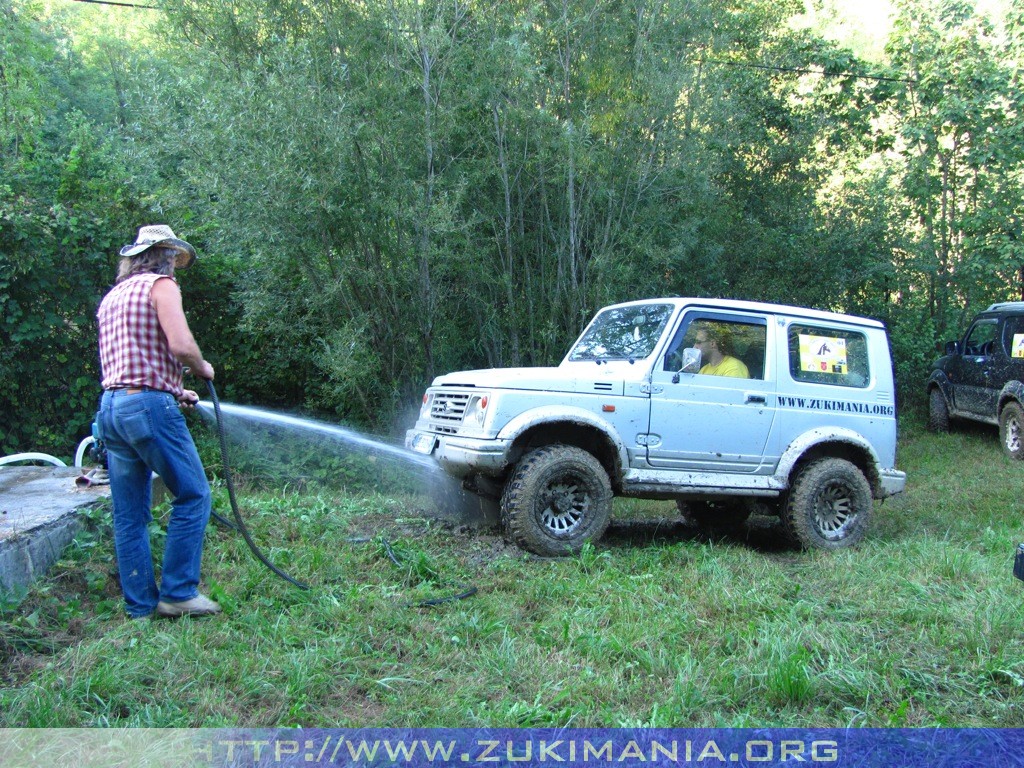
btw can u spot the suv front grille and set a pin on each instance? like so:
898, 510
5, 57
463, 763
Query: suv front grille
447, 410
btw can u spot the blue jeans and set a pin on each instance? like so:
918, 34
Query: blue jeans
144, 433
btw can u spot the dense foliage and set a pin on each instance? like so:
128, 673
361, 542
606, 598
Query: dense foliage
385, 190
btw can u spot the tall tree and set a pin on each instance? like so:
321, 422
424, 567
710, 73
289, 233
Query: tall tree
63, 204
957, 138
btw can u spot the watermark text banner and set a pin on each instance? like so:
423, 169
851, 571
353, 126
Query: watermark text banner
547, 747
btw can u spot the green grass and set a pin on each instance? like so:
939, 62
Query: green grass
654, 626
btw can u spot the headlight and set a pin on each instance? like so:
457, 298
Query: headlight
475, 411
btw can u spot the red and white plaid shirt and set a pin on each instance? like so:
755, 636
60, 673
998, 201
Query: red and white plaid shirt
133, 348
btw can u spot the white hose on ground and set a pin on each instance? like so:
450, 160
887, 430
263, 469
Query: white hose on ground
82, 448
14, 457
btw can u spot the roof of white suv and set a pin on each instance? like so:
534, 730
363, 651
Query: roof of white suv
758, 306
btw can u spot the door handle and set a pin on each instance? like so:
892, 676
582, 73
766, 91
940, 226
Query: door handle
761, 399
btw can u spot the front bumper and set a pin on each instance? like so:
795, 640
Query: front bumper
461, 456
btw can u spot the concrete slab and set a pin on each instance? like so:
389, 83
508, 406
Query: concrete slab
39, 509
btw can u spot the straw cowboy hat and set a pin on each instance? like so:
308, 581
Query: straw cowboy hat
161, 234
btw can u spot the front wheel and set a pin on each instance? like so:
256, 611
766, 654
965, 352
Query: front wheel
938, 411
558, 498
1011, 424
829, 505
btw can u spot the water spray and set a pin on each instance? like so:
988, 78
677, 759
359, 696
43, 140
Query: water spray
375, 446
329, 430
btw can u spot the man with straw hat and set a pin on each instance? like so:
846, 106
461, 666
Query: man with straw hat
145, 344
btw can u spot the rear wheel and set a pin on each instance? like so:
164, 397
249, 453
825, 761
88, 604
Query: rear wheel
1011, 424
938, 411
829, 505
558, 498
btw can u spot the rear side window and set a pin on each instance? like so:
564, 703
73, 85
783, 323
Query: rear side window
1013, 337
822, 355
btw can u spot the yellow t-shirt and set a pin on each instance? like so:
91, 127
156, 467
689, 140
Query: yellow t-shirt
729, 366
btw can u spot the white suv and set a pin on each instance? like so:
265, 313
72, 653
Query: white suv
728, 407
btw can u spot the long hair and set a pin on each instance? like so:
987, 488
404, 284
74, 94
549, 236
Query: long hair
156, 260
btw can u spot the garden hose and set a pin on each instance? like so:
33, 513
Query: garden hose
239, 522
466, 590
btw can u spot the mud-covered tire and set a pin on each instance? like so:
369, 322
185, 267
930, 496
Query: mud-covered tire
829, 505
1011, 431
726, 516
938, 411
558, 498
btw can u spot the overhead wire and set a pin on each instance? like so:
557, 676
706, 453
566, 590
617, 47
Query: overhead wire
807, 71
123, 5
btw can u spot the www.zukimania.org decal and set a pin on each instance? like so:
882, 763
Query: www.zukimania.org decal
841, 406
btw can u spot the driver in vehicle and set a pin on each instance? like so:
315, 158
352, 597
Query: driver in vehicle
715, 344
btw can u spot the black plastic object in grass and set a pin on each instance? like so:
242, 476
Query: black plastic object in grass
419, 568
1018, 563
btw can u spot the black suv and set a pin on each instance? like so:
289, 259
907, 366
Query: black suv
982, 377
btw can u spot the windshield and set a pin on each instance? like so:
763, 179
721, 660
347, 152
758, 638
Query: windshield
623, 333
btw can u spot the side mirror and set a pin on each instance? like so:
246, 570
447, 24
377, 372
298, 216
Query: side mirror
691, 360
952, 348
690, 363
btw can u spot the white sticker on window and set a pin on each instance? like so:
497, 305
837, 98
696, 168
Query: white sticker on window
822, 354
1018, 345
